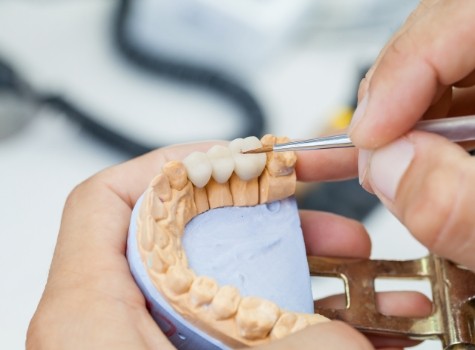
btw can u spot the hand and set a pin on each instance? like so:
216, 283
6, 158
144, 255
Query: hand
427, 70
92, 302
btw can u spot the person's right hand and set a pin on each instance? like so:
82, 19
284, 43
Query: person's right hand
427, 70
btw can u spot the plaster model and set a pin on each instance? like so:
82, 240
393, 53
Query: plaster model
222, 177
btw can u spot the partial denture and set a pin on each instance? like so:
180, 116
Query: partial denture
221, 177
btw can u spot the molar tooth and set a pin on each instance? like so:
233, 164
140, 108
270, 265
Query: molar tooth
247, 166
288, 323
203, 290
199, 168
179, 279
225, 302
222, 163
256, 317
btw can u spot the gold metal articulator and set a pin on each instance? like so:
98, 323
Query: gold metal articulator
453, 294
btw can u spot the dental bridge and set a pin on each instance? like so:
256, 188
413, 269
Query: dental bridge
224, 176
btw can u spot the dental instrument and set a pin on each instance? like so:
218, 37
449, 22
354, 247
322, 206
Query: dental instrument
456, 129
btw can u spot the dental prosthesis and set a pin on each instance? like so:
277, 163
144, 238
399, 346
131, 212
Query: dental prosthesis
209, 284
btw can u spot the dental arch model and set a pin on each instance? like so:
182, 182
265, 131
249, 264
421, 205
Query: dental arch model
221, 177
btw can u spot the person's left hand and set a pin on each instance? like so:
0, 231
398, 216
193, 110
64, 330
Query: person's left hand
91, 300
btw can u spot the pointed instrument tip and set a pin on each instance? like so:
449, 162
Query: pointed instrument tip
259, 150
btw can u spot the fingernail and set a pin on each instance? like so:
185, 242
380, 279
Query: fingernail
363, 165
358, 114
388, 165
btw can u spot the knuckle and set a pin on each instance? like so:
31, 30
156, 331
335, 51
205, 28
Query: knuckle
82, 190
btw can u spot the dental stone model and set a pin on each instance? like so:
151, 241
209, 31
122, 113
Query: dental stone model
216, 273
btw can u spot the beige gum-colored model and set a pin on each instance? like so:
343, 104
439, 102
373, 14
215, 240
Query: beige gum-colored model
221, 177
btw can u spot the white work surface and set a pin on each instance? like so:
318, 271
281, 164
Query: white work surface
66, 46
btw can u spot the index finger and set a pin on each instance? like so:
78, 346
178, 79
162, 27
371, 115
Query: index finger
435, 53
327, 164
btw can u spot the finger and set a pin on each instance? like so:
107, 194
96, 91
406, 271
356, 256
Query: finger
417, 64
420, 10
399, 304
326, 164
328, 234
329, 336
427, 182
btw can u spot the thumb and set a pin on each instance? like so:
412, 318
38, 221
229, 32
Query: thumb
426, 181
333, 335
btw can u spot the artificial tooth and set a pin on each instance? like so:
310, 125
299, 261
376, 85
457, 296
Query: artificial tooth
222, 163
247, 166
226, 302
256, 317
198, 168
176, 174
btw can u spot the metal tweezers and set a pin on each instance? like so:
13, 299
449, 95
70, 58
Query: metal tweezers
452, 320
455, 129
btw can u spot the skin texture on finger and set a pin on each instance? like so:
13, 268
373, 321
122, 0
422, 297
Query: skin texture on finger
402, 304
438, 49
432, 194
420, 10
329, 336
331, 235
88, 319
327, 164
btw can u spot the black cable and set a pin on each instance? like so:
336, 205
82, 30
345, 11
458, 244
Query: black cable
186, 73
103, 133
190, 74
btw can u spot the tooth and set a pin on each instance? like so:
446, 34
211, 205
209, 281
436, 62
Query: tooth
222, 163
225, 302
279, 163
256, 317
288, 323
179, 279
247, 166
176, 174
203, 290
198, 168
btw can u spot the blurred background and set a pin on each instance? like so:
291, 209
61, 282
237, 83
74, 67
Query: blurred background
87, 84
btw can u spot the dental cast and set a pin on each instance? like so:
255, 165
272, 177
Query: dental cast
257, 178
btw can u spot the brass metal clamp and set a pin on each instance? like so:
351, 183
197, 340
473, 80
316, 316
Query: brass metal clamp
453, 295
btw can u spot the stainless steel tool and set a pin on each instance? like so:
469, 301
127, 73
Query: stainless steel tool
456, 129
